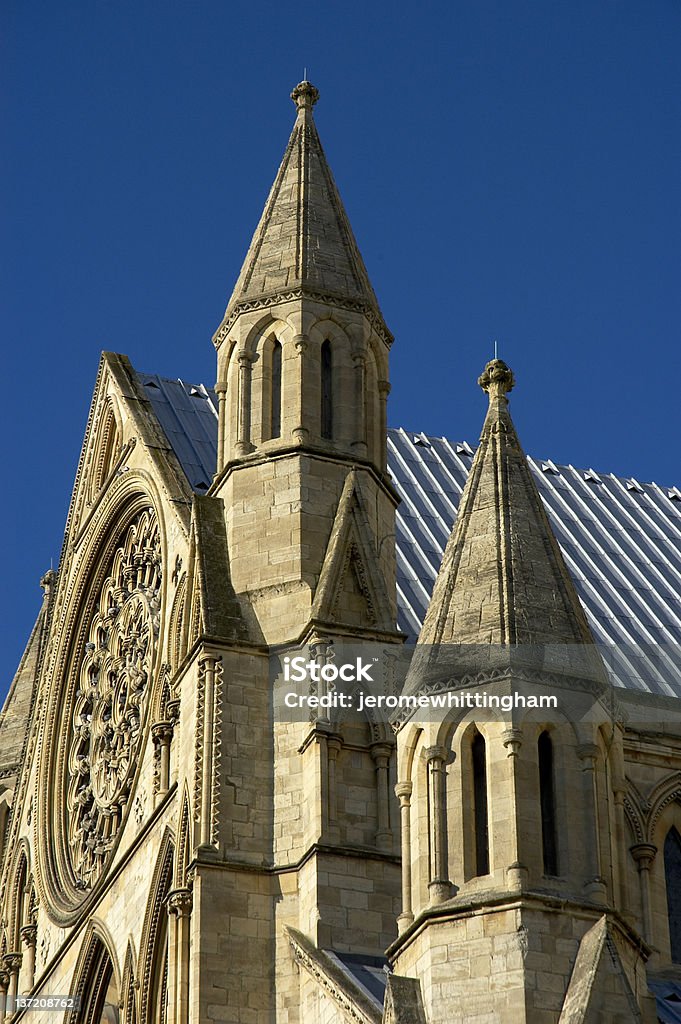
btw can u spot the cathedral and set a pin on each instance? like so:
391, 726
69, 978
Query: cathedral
174, 849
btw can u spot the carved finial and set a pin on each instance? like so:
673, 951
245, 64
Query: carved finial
305, 95
48, 580
496, 379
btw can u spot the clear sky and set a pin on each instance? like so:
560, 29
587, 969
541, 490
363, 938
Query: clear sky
511, 168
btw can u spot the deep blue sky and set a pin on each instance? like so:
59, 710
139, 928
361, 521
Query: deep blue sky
512, 170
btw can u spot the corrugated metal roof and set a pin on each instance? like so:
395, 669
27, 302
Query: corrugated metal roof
368, 972
621, 539
189, 417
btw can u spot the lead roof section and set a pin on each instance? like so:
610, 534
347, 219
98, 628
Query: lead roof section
621, 540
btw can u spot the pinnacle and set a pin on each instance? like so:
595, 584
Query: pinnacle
503, 579
303, 245
305, 95
496, 379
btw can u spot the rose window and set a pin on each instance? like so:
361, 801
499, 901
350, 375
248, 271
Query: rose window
114, 680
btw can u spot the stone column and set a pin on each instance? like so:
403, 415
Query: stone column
360, 442
439, 886
4, 985
29, 934
243, 441
516, 872
321, 652
301, 430
333, 747
619, 788
383, 391
403, 793
179, 910
381, 753
208, 670
223, 413
594, 884
644, 855
162, 734
11, 963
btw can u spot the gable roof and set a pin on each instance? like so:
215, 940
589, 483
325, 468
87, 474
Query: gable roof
621, 540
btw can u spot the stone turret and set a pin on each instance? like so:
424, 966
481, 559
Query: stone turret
303, 383
503, 579
513, 902
308, 510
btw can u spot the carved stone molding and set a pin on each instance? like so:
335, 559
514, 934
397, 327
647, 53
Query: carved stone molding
180, 902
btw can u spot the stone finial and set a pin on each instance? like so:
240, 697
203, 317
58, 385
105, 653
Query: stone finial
305, 95
496, 379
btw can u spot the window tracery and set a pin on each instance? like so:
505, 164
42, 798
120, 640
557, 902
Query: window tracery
113, 682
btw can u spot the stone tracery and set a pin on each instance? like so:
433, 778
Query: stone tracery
113, 681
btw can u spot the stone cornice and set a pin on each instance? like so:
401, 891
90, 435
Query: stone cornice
497, 902
296, 294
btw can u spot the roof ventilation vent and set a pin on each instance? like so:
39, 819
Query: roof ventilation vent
464, 449
549, 467
674, 493
592, 476
151, 384
634, 485
421, 441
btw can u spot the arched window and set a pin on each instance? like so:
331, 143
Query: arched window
158, 1010
101, 996
672, 876
327, 391
480, 817
275, 403
107, 448
547, 799
155, 946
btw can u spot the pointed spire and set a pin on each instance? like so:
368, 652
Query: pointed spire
304, 245
503, 579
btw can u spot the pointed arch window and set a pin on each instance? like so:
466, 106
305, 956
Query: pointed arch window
547, 799
480, 811
159, 979
275, 415
672, 876
102, 998
327, 390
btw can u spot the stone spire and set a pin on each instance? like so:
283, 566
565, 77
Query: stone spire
303, 245
503, 579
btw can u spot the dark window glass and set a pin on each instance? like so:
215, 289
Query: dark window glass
327, 392
548, 804
672, 875
479, 756
275, 430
